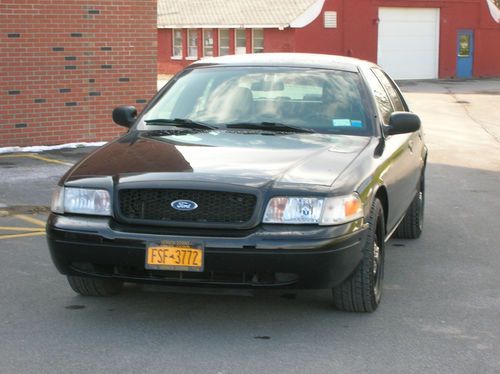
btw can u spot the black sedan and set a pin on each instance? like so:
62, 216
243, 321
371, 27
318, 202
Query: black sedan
268, 170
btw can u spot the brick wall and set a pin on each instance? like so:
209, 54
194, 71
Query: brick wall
65, 64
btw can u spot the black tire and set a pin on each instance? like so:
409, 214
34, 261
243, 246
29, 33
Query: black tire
363, 290
95, 287
413, 222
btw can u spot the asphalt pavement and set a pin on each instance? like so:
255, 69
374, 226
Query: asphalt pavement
440, 311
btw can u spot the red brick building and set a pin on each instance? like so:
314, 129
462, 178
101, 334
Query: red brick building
66, 63
410, 38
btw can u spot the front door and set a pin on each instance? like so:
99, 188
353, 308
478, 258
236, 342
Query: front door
465, 53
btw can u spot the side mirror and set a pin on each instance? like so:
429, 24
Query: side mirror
124, 115
402, 123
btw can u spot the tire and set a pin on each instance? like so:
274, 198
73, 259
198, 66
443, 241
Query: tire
412, 224
363, 290
95, 287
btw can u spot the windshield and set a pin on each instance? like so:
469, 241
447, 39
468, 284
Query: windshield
324, 101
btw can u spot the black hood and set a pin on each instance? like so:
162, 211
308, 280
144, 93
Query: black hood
230, 156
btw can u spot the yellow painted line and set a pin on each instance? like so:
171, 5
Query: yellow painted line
30, 219
36, 157
22, 235
10, 228
50, 160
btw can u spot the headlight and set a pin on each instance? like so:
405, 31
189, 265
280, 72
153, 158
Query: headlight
307, 210
81, 201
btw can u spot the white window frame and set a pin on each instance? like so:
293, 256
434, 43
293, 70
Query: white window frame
228, 47
174, 56
236, 50
189, 56
253, 41
205, 47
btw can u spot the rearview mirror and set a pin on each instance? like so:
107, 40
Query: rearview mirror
268, 86
124, 115
402, 123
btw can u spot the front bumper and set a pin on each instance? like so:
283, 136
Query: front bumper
270, 255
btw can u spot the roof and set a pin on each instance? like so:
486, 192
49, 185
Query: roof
287, 59
237, 13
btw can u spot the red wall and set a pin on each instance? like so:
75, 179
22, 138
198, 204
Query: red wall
357, 34
66, 64
487, 49
280, 40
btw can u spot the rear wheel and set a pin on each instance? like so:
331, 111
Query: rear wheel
363, 290
412, 224
95, 287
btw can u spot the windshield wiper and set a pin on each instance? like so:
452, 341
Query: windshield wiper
270, 126
179, 122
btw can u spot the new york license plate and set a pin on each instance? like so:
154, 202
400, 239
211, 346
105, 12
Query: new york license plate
180, 256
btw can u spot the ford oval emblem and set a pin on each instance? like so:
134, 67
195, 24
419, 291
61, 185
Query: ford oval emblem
184, 205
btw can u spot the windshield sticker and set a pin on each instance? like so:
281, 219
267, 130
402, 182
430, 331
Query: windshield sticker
341, 122
344, 122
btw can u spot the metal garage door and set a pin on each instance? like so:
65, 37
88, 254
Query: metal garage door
408, 42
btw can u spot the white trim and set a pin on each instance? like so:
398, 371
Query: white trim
438, 39
309, 15
494, 11
176, 57
236, 26
192, 58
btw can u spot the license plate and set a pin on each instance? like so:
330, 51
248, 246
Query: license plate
180, 256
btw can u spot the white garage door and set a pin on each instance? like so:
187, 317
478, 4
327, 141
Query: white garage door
408, 42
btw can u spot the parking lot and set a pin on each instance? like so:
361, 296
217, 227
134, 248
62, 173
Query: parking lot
440, 311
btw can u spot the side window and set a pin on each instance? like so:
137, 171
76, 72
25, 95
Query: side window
383, 102
396, 99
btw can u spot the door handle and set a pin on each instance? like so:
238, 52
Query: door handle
410, 145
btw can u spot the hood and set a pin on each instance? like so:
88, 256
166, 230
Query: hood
236, 157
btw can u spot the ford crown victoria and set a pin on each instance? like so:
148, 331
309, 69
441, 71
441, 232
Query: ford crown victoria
268, 170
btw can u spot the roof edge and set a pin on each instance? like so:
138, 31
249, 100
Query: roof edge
309, 15
238, 26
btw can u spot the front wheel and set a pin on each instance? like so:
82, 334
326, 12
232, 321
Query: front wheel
363, 290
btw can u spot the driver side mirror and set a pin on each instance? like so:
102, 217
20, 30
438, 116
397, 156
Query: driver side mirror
124, 115
402, 123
